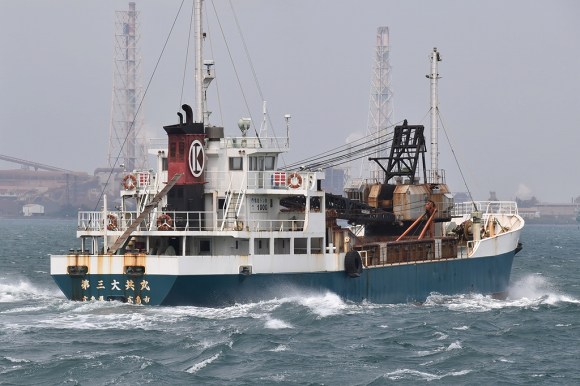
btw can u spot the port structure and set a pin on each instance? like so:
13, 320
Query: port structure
380, 117
126, 146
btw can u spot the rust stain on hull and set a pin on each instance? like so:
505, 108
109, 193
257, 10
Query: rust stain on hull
105, 264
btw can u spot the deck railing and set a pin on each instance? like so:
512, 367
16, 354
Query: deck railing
267, 179
119, 221
485, 207
278, 143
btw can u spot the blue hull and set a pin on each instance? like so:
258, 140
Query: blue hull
390, 284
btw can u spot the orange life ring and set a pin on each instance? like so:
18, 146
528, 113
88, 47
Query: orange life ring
164, 222
294, 180
129, 182
111, 222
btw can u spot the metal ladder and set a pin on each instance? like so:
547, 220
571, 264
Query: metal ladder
148, 208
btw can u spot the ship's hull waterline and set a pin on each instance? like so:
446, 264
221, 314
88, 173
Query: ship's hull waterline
397, 283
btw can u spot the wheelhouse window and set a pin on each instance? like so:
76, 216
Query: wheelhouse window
236, 163
269, 163
261, 163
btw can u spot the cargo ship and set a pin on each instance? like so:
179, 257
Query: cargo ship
220, 220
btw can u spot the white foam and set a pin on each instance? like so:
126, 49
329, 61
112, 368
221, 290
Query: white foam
11, 292
441, 336
24, 309
276, 324
95, 315
421, 375
17, 360
277, 378
534, 290
24, 290
326, 305
505, 360
464, 303
530, 287
198, 366
454, 346
528, 292
279, 348
425, 353
254, 310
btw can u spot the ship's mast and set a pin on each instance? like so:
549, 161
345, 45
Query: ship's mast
198, 61
203, 77
434, 76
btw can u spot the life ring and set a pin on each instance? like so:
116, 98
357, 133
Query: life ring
164, 222
111, 222
129, 182
294, 180
353, 264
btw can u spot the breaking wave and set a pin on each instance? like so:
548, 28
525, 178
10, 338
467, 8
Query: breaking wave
529, 292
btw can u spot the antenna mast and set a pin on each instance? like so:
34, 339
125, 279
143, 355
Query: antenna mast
380, 104
434, 77
202, 78
198, 61
126, 122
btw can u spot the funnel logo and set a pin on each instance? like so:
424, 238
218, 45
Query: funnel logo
196, 158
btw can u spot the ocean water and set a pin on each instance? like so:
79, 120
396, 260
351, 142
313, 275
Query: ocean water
533, 337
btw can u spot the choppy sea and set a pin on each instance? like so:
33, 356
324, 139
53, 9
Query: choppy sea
533, 337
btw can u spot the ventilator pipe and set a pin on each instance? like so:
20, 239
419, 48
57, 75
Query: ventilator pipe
476, 227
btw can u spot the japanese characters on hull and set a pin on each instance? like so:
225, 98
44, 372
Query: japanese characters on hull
135, 292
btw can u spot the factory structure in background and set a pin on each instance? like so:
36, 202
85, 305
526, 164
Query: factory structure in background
126, 147
379, 124
380, 120
38, 189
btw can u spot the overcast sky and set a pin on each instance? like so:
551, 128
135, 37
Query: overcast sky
509, 93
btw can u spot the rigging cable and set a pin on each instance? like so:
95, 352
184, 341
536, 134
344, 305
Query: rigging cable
348, 152
346, 157
345, 154
349, 148
139, 107
251, 63
216, 79
235, 70
455, 157
186, 56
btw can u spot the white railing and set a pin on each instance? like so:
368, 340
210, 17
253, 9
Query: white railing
276, 225
158, 143
118, 221
278, 143
486, 208
436, 176
269, 179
